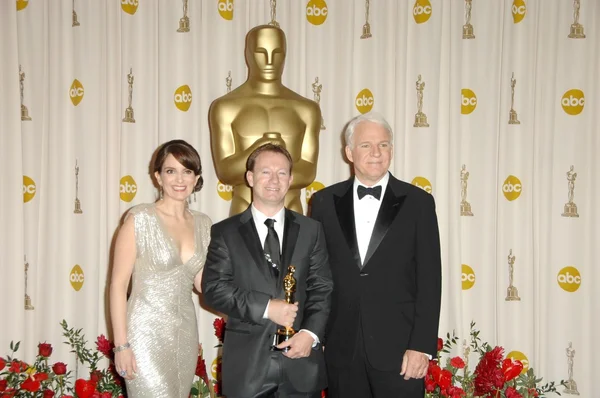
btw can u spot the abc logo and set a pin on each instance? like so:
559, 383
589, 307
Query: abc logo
216, 363
422, 11
364, 101
76, 278
511, 188
127, 188
316, 12
21, 4
76, 92
518, 10
183, 98
468, 277
573, 101
129, 6
468, 101
422, 183
225, 8
569, 279
224, 191
316, 186
519, 356
28, 189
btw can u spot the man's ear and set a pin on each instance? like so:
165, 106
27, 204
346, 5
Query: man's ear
250, 178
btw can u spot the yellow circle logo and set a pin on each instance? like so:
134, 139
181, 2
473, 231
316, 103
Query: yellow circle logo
76, 92
183, 98
129, 6
468, 101
214, 366
364, 100
29, 189
468, 277
21, 4
316, 186
76, 278
422, 183
511, 188
518, 10
225, 8
573, 101
422, 11
224, 191
127, 188
569, 279
519, 356
316, 12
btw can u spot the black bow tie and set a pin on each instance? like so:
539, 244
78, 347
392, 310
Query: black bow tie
374, 191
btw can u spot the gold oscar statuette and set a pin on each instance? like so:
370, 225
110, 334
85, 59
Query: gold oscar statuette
228, 82
465, 207
289, 288
317, 87
512, 294
28, 305
77, 209
184, 22
570, 209
576, 28
24, 111
273, 21
129, 117
248, 116
467, 27
420, 117
512, 114
75, 21
570, 384
366, 29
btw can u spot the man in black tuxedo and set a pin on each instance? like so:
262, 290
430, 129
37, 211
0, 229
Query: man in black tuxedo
247, 261
384, 251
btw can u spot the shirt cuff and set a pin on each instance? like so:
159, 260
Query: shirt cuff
266, 313
314, 336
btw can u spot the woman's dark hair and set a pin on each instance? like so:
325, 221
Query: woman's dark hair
184, 153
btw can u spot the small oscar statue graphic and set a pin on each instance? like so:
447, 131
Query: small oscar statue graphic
77, 209
570, 384
512, 294
24, 110
289, 288
576, 27
420, 117
317, 87
28, 305
512, 114
465, 207
129, 110
366, 29
228, 82
570, 209
184, 22
274, 14
75, 21
467, 27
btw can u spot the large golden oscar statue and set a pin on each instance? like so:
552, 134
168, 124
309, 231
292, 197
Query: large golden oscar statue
263, 110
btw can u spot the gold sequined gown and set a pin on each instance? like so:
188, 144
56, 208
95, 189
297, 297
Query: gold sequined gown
161, 318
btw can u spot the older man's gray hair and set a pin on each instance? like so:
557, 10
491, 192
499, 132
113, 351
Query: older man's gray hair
373, 117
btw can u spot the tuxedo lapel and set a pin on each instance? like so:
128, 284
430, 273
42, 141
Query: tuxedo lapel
390, 205
344, 207
290, 235
250, 235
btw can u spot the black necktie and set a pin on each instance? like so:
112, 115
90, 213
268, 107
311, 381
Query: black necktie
374, 192
272, 247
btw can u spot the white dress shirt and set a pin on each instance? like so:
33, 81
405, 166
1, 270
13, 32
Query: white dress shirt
365, 214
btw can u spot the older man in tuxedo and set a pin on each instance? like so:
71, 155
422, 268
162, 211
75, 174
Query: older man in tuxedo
383, 242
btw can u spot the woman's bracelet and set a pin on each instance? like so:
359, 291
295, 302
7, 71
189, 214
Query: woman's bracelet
121, 347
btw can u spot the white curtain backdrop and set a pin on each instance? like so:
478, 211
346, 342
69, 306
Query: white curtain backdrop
74, 86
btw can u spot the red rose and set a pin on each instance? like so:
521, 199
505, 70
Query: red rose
40, 376
511, 368
455, 392
45, 350
512, 393
2, 363
59, 368
445, 379
15, 367
95, 376
84, 388
440, 344
106, 395
323, 394
430, 384
201, 368
457, 362
31, 385
219, 325
3, 384
104, 346
533, 392
48, 394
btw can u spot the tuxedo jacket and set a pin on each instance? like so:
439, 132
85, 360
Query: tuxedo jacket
394, 295
237, 281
